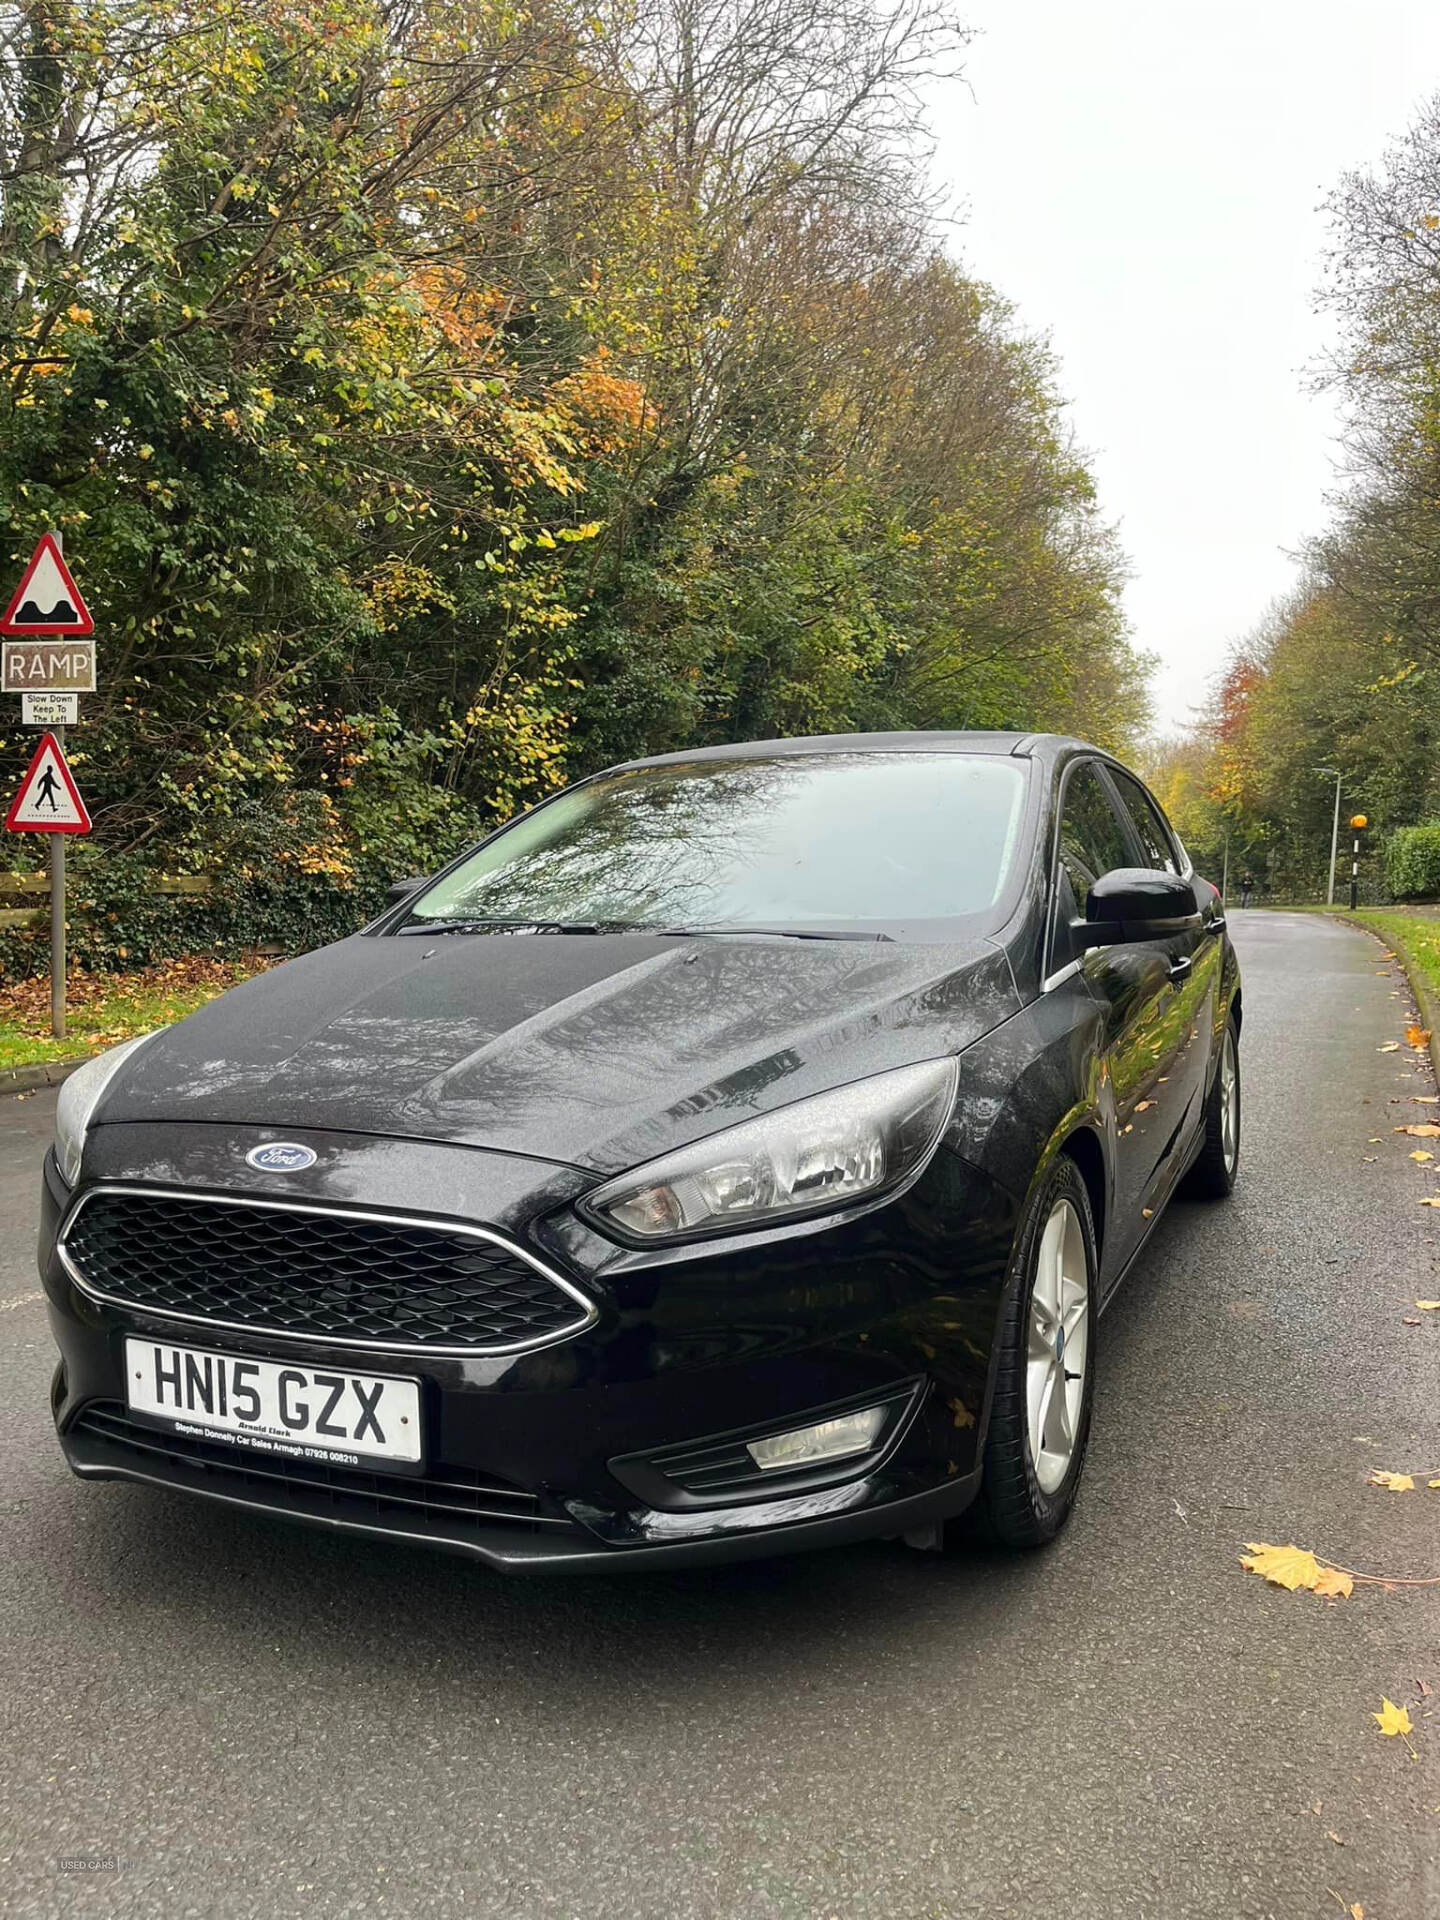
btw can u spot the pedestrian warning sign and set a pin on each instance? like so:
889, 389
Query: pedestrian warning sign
47, 599
49, 800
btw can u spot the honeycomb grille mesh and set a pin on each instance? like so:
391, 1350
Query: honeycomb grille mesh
329, 1276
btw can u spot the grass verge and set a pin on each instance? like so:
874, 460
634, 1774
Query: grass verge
1414, 933
106, 1008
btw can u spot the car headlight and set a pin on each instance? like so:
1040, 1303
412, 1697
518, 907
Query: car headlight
813, 1156
79, 1096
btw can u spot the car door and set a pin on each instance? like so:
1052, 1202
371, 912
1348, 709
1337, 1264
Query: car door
1144, 1024
1194, 961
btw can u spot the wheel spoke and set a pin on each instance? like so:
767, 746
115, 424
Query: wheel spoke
1039, 1436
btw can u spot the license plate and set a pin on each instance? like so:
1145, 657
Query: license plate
276, 1406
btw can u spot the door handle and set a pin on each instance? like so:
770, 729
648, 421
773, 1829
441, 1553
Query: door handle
1179, 970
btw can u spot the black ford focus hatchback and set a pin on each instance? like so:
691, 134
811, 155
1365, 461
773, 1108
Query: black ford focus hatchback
733, 1154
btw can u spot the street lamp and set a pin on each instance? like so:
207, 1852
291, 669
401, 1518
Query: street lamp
1334, 832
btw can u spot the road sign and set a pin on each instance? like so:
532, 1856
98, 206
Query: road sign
49, 800
47, 599
47, 666
49, 709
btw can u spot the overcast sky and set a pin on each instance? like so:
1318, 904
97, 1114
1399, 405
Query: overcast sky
1144, 182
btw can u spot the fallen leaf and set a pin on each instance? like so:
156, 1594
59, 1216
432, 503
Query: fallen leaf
1331, 1835
1396, 1482
1418, 1036
1430, 1200
1143, 1106
1434, 1485
1421, 1155
1422, 1687
1294, 1568
1427, 1130
1392, 1719
1353, 1908
1425, 1099
1428, 1306
1390, 1046
1411, 1320
1288, 1567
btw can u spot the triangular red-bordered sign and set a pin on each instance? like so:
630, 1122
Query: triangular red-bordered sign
49, 800
47, 599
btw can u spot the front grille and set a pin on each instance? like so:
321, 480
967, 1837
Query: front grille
445, 1504
346, 1278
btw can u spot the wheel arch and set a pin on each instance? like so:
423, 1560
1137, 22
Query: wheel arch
1084, 1148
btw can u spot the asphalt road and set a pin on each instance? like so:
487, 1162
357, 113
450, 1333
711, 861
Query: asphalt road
261, 1720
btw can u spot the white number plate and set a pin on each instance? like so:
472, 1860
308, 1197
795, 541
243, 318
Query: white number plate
275, 1406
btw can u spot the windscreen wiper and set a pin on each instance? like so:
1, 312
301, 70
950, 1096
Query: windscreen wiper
509, 926
774, 933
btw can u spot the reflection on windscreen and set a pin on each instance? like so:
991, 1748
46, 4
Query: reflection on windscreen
798, 841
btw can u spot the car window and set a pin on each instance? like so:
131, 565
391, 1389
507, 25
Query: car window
804, 841
1092, 842
1150, 827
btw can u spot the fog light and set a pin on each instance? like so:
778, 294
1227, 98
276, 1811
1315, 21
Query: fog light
828, 1440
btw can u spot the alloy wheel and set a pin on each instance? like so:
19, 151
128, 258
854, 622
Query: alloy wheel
1229, 1102
1058, 1345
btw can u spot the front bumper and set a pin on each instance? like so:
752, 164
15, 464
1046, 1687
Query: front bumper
557, 1459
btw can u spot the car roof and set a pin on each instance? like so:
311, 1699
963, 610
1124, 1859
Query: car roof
1020, 745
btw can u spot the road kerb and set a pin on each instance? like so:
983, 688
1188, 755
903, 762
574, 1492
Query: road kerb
1425, 1000
45, 1073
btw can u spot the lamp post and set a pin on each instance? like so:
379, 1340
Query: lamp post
1334, 833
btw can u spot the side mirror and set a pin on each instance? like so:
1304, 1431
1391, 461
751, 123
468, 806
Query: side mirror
399, 890
1137, 903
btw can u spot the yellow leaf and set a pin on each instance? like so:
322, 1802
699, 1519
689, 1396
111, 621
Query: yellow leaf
1428, 1306
1418, 1036
1392, 1719
1430, 1200
1421, 1155
1294, 1568
1288, 1567
1426, 1131
1433, 1483
1396, 1482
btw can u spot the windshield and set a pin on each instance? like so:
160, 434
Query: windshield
802, 842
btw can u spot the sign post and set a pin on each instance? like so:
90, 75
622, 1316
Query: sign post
59, 963
49, 673
1358, 823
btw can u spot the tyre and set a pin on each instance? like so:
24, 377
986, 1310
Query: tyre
1045, 1385
1214, 1171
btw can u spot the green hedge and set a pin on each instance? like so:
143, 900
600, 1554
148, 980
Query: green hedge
1412, 863
117, 918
